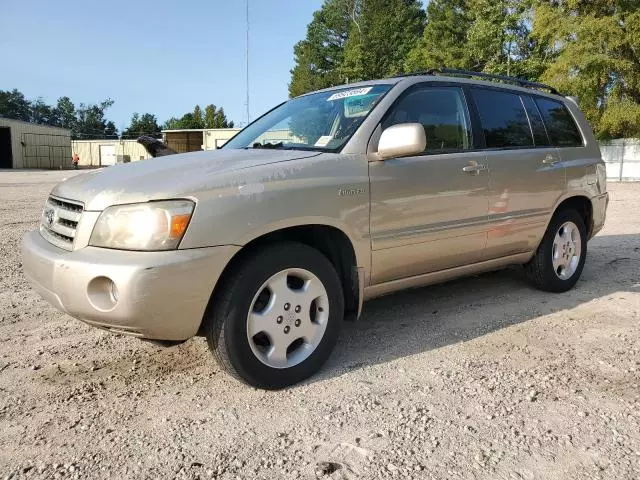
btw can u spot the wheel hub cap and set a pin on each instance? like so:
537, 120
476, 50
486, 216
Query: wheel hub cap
567, 248
287, 318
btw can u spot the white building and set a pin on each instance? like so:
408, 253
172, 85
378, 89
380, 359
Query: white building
100, 153
192, 140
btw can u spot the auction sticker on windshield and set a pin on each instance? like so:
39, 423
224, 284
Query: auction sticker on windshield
349, 93
323, 141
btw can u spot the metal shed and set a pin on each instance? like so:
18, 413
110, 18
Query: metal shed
181, 141
108, 151
28, 145
193, 140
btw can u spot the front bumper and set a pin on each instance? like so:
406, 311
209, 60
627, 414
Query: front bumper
599, 205
160, 295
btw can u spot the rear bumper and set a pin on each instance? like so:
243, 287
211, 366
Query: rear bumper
160, 295
599, 204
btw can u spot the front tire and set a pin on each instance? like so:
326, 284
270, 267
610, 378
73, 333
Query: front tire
277, 317
559, 260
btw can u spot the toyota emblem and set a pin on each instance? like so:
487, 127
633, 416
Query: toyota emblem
49, 216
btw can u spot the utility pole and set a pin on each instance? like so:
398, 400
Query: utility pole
248, 119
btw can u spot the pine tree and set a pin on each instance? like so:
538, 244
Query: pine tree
596, 48
444, 41
197, 117
351, 40
319, 56
382, 34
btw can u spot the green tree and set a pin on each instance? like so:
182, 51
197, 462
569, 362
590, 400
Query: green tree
350, 40
382, 34
65, 113
171, 124
145, 124
43, 114
499, 38
490, 36
213, 118
91, 123
444, 41
110, 130
198, 122
14, 105
596, 50
216, 118
86, 121
318, 57
187, 121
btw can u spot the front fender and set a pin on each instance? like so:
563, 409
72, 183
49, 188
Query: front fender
328, 189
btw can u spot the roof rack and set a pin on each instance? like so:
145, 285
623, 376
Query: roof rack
488, 76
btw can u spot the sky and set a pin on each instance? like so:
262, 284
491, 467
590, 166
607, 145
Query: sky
161, 57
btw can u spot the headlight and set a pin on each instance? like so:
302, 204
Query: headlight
143, 226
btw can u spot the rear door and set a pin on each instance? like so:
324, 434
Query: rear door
526, 175
429, 211
564, 134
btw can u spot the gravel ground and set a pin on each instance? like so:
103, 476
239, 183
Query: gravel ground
479, 378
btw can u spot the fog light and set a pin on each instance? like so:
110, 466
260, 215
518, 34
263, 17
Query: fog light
103, 293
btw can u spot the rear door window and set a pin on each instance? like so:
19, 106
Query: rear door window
540, 136
442, 111
562, 129
503, 118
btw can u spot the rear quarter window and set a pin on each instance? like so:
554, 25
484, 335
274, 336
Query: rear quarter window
503, 118
561, 128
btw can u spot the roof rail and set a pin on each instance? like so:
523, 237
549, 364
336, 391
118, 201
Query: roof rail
488, 76
417, 73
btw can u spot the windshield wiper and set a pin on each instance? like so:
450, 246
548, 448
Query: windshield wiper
268, 145
282, 146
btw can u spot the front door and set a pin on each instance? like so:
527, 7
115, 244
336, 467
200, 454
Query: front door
429, 212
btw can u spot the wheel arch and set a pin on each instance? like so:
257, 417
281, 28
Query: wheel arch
331, 241
583, 205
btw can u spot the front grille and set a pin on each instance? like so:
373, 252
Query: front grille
59, 221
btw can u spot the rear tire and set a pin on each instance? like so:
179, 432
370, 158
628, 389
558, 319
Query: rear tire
559, 260
277, 316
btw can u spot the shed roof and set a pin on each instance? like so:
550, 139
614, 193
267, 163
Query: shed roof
8, 121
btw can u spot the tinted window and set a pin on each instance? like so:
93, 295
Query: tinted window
563, 131
503, 119
443, 113
537, 125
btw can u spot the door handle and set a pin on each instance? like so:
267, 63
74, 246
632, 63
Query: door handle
550, 159
474, 168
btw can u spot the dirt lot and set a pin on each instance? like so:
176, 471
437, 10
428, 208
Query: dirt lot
480, 378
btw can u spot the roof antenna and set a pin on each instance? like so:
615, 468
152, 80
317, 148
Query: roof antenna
247, 101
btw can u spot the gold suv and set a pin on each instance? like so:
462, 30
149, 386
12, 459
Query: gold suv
328, 200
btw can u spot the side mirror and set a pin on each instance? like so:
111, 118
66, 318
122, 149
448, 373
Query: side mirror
402, 140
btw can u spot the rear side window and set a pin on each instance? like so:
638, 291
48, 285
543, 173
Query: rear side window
537, 125
503, 118
442, 111
562, 130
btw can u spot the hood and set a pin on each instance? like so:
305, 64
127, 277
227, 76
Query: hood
161, 178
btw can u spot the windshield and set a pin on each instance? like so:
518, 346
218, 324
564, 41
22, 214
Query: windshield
321, 121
